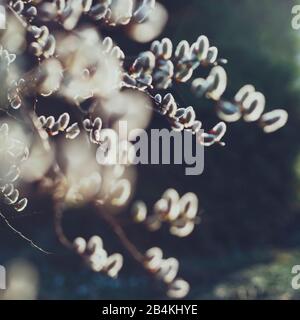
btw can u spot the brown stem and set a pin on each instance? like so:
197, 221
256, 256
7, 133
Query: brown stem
58, 215
120, 233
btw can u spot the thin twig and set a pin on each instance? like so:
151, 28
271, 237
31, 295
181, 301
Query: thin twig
17, 16
20, 234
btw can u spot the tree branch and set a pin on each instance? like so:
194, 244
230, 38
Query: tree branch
20, 234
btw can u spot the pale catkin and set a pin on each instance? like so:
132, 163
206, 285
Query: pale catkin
61, 115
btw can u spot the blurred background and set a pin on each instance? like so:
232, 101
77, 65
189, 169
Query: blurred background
249, 193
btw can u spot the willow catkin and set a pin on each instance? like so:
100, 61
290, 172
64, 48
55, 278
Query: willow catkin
89, 74
97, 257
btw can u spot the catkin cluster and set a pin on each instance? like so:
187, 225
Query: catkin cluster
248, 104
110, 12
62, 124
12, 154
97, 257
162, 65
77, 67
179, 212
166, 270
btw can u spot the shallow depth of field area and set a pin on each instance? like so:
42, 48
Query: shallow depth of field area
244, 231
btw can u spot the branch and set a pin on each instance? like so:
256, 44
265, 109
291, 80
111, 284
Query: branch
20, 234
120, 233
58, 215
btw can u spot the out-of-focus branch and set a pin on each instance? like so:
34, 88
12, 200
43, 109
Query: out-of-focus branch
58, 216
120, 233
